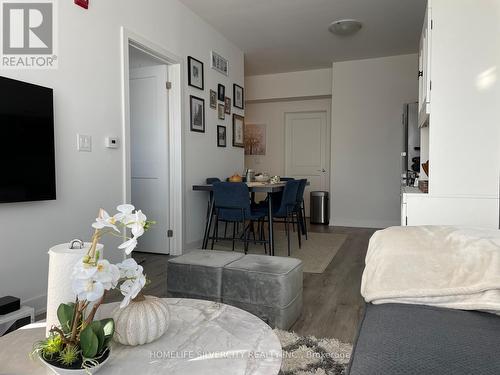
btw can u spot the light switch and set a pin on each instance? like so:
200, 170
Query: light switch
84, 142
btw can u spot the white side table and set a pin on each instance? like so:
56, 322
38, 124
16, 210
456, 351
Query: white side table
7, 320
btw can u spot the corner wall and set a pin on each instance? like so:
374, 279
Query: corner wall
367, 103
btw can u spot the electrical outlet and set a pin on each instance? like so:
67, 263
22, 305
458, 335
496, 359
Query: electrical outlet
84, 142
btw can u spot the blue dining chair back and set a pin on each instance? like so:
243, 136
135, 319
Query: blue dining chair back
212, 180
288, 198
300, 191
231, 201
284, 179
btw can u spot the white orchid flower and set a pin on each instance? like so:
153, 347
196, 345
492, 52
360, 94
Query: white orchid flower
88, 289
83, 270
137, 224
131, 288
108, 274
128, 246
124, 213
105, 221
129, 268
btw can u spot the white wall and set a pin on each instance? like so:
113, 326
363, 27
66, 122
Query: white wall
87, 95
308, 83
367, 102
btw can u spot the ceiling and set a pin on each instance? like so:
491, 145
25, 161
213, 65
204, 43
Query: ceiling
290, 35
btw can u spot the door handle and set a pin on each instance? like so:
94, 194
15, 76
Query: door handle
322, 170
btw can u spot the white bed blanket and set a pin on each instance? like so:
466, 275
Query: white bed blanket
442, 266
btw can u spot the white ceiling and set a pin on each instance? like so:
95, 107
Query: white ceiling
289, 35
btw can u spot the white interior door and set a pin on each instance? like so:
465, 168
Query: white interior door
149, 153
306, 150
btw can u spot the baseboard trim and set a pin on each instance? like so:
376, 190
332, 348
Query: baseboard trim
39, 303
377, 224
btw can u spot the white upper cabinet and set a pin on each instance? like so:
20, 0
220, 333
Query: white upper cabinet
424, 69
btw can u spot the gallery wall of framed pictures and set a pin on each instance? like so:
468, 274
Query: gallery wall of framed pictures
220, 101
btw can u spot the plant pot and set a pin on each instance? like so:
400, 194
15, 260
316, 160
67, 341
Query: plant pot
81, 371
144, 320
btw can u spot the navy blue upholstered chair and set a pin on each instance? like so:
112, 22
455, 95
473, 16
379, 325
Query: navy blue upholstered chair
300, 209
233, 205
286, 207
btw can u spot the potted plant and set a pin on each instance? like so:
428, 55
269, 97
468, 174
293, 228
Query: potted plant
81, 343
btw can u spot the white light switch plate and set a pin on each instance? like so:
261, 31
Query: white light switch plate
84, 142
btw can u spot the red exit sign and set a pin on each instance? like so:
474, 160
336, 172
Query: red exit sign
83, 3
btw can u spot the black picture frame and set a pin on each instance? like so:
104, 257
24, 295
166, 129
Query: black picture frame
221, 112
221, 136
227, 105
238, 96
197, 124
238, 132
221, 92
213, 99
194, 68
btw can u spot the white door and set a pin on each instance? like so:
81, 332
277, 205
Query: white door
149, 153
306, 148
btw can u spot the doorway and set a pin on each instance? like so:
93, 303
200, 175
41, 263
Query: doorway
152, 135
307, 150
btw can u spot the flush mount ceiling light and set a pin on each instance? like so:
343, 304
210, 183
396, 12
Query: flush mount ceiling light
345, 27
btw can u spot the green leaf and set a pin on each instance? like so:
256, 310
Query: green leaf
108, 326
65, 315
89, 342
99, 332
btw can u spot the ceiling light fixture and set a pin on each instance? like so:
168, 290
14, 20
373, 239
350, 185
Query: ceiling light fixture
345, 27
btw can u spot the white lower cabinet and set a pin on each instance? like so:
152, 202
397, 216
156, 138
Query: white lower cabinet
425, 209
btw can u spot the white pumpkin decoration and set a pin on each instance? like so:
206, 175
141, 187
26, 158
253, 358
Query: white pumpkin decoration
141, 322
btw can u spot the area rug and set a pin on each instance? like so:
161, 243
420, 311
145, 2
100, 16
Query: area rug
316, 253
312, 356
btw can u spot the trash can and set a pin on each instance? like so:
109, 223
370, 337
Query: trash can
319, 207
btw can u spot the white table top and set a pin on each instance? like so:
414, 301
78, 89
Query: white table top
203, 338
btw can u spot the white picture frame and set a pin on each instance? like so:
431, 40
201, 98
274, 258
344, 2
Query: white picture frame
219, 63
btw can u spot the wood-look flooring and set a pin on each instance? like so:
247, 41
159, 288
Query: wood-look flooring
332, 306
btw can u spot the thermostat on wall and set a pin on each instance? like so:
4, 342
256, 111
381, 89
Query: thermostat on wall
112, 142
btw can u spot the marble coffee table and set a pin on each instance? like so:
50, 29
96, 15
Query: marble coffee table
203, 338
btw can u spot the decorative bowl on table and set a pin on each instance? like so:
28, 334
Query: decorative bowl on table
91, 367
262, 178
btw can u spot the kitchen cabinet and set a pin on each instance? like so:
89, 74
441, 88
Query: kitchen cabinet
424, 69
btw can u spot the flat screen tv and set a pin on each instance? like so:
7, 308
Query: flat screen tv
27, 158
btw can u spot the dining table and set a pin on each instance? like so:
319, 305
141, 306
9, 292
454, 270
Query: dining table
254, 187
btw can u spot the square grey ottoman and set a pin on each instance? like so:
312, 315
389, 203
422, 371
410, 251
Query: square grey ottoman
198, 274
268, 287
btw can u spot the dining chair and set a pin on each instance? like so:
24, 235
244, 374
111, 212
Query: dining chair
300, 209
286, 208
232, 205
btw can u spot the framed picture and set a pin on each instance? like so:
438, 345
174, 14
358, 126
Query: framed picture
197, 106
219, 63
221, 92
213, 99
221, 136
195, 73
238, 96
238, 131
227, 105
221, 112
255, 139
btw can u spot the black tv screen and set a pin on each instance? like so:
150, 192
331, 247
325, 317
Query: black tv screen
27, 156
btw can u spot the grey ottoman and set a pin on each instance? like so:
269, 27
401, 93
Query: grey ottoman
198, 274
268, 287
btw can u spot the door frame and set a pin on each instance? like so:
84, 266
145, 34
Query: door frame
175, 67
